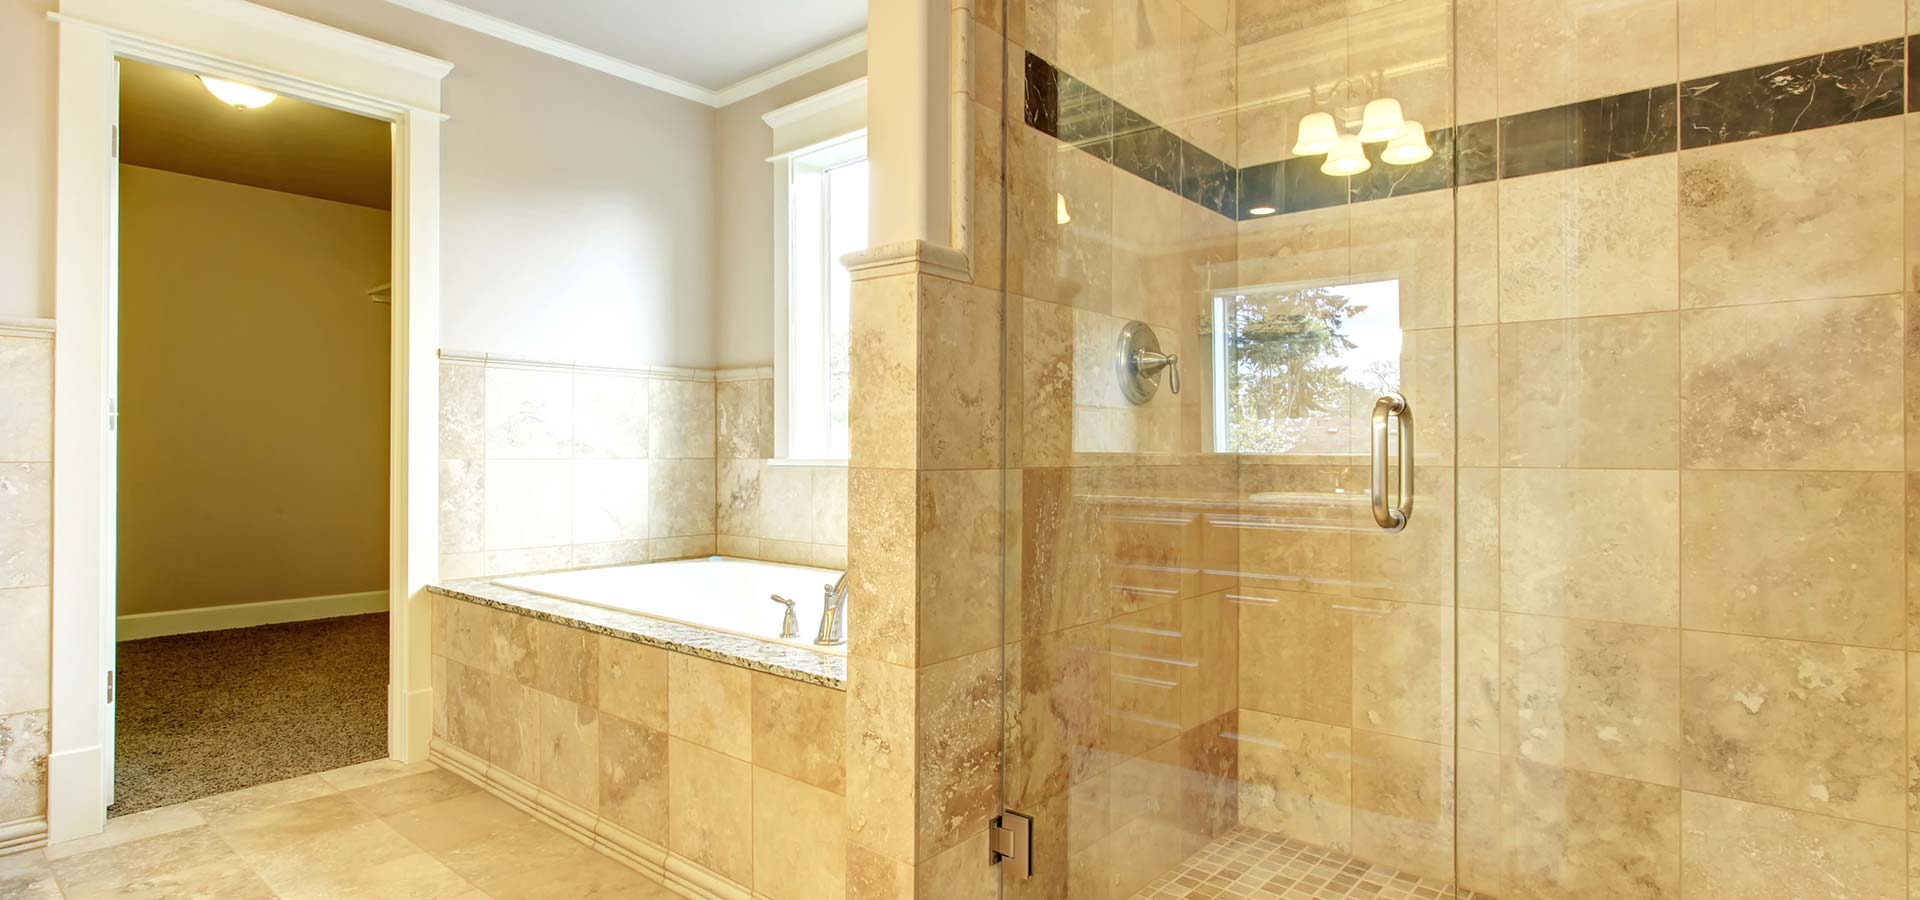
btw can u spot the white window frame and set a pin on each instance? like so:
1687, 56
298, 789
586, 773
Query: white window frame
816, 133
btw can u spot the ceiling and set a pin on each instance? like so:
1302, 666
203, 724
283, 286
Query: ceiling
711, 45
169, 121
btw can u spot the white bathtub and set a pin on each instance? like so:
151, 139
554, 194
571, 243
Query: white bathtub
729, 595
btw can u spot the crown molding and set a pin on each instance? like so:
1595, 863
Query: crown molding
854, 91
843, 48
541, 42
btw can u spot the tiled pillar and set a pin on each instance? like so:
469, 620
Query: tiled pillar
924, 510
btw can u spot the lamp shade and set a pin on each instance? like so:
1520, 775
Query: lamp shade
1346, 159
1381, 121
1318, 134
1409, 148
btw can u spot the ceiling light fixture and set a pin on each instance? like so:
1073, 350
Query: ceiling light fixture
1262, 211
1347, 159
237, 95
1382, 121
1409, 148
1318, 134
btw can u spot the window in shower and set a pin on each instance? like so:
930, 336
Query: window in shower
826, 219
1300, 362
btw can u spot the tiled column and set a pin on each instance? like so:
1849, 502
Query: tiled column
924, 510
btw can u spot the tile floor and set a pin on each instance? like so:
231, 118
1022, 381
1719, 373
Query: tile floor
1246, 863
376, 830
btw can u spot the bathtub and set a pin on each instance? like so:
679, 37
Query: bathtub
726, 595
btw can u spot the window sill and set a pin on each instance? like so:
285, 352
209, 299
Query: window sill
810, 463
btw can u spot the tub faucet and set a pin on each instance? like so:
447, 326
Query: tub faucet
833, 614
790, 625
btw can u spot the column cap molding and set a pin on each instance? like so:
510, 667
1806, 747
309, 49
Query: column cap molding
904, 257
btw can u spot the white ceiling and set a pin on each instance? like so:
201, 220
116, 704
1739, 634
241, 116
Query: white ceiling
711, 45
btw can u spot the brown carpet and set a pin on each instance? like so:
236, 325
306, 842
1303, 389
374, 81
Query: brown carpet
202, 714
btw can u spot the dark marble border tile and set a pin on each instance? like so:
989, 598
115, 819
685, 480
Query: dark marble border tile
1384, 180
1833, 88
1042, 110
1626, 126
1476, 152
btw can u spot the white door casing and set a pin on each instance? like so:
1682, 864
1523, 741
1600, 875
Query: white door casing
288, 55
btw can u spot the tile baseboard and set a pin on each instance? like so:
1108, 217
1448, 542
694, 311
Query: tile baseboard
676, 873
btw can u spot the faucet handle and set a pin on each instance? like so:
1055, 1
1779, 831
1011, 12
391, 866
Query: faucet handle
790, 623
779, 599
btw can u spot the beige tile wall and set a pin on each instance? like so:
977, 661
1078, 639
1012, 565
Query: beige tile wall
26, 509
766, 510
737, 772
546, 466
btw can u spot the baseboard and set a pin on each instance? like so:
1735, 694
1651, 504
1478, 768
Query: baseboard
678, 874
21, 835
246, 615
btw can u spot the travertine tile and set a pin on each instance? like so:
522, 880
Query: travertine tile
1295, 779
710, 704
680, 497
463, 411
633, 681
957, 717
634, 776
1403, 804
1576, 834
463, 500
610, 416
1057, 712
744, 429
739, 496
786, 504
960, 519
800, 730
681, 419
960, 424
1297, 536
1481, 847
882, 541
529, 413
24, 745
886, 368
1477, 357
569, 757
1477, 504
1146, 839
1808, 385
1559, 51
25, 649
1595, 696
1808, 726
26, 524
1594, 393
1403, 669
1722, 37
1800, 216
830, 506
882, 793
1591, 241
26, 415
188, 864
422, 783
566, 661
1040, 401
1809, 555
1412, 237
799, 839
1738, 850
711, 800
1594, 544
610, 500
1477, 657
1415, 565
529, 503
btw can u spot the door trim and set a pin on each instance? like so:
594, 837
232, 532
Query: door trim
285, 54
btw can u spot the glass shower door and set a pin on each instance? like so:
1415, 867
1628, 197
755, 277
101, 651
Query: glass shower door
1226, 670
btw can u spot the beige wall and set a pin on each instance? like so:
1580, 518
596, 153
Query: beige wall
577, 208
26, 159
743, 199
253, 371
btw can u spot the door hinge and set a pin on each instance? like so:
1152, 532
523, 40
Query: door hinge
113, 414
109, 685
1010, 840
116, 142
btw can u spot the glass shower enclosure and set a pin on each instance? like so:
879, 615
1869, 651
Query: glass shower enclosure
1456, 448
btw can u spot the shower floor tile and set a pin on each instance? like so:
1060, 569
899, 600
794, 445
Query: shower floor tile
1256, 865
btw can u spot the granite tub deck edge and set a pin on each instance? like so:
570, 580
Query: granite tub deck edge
747, 653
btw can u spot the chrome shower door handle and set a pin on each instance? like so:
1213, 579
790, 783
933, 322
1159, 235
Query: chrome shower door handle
1389, 515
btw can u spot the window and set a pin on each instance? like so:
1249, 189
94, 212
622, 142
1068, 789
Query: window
826, 193
1302, 364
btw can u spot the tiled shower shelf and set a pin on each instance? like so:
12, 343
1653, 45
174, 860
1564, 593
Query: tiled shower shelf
1254, 865
761, 656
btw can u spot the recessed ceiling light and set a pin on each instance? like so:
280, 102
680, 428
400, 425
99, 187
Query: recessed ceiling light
1262, 211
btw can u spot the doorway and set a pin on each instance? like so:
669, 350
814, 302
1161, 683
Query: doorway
250, 423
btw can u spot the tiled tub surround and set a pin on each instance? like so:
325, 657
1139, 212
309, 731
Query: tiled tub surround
771, 510
716, 779
553, 466
26, 508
